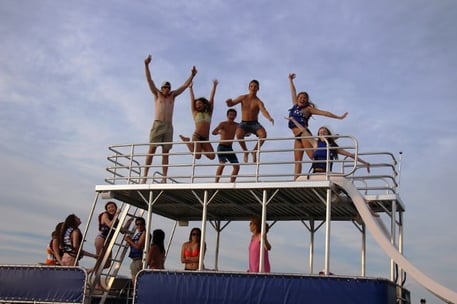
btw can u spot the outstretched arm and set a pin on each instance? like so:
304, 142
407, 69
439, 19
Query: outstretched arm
265, 112
76, 238
151, 83
316, 111
233, 102
212, 94
192, 98
186, 83
293, 90
351, 155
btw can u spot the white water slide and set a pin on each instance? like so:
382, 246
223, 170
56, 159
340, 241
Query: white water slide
377, 232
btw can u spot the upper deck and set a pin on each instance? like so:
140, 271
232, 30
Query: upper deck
270, 180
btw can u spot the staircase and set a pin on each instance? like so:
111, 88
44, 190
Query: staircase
101, 279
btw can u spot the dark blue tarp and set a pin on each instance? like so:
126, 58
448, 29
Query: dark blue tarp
42, 283
219, 287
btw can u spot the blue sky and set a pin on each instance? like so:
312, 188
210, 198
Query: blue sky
72, 83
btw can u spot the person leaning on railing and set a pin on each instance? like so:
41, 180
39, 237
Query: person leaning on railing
321, 152
320, 149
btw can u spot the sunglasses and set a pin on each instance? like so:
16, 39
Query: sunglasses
165, 87
195, 233
139, 224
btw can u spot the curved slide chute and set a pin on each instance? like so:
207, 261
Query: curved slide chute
377, 232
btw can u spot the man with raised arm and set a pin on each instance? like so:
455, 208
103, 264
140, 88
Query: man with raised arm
162, 128
250, 107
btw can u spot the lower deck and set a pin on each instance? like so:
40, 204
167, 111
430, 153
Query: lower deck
50, 284
225, 287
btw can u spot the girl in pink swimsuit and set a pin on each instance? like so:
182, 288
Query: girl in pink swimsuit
254, 247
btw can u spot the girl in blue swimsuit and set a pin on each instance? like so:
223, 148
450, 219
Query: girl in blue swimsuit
302, 110
320, 149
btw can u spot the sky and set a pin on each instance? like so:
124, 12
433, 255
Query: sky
72, 83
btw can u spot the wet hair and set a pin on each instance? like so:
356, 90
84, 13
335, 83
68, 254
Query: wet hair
195, 230
158, 237
231, 110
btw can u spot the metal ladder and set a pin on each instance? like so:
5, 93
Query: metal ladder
114, 250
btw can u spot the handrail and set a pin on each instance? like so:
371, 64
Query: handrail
132, 166
275, 162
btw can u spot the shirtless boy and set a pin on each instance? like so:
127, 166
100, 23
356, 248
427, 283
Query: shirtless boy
250, 107
162, 128
226, 130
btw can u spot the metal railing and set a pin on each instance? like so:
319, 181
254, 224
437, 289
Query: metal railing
275, 163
